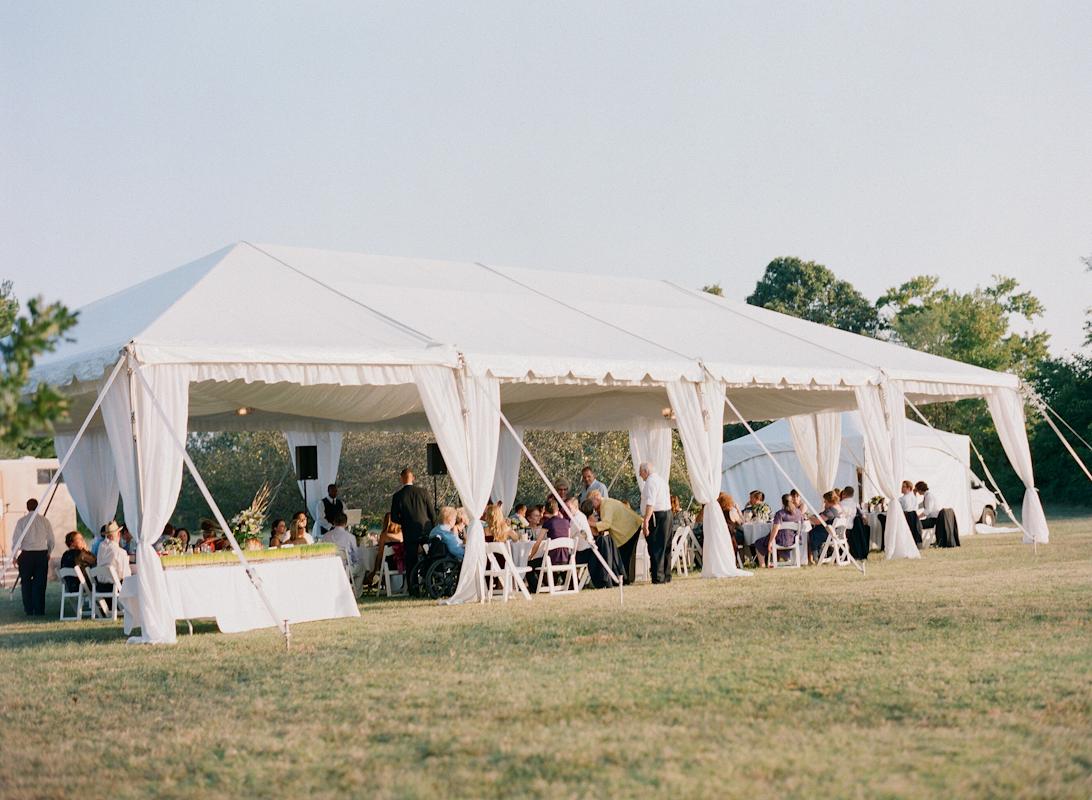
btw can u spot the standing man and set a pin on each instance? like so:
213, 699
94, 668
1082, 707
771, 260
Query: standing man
331, 508
656, 521
34, 551
591, 484
411, 507
622, 523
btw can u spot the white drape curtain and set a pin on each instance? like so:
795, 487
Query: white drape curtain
329, 460
817, 439
506, 478
149, 490
464, 413
699, 412
882, 418
90, 476
650, 440
1007, 409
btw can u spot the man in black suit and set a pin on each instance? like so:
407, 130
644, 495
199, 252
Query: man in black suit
411, 507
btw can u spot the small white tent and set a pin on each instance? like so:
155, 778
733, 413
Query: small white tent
939, 458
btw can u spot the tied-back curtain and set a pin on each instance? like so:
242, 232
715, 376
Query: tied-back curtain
149, 496
328, 444
817, 439
650, 441
1007, 410
506, 478
883, 419
464, 413
699, 412
90, 476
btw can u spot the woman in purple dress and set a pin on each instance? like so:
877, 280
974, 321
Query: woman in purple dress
784, 538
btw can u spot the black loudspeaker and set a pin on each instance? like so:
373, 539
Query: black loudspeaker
436, 465
307, 462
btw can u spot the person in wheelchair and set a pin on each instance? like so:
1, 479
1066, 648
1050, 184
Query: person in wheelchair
437, 573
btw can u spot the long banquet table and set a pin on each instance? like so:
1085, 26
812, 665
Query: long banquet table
300, 590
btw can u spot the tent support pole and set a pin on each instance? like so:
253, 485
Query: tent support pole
255, 579
784, 474
67, 456
1043, 409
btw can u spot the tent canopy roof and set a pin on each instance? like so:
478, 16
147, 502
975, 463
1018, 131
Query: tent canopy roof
329, 336
778, 439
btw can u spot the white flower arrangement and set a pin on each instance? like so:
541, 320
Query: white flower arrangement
761, 512
250, 522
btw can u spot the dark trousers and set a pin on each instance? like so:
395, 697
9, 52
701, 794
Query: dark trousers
627, 551
659, 546
411, 539
33, 572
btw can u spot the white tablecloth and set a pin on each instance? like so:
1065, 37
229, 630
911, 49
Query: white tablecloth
366, 556
875, 531
753, 531
300, 590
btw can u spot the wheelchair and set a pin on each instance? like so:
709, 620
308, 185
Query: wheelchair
436, 573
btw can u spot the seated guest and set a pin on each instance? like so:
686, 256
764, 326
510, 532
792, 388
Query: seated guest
278, 531
339, 535
797, 500
298, 530
113, 554
784, 538
680, 517
183, 537
554, 526
77, 556
622, 523
462, 522
390, 534
497, 528
909, 500
832, 509
207, 544
98, 540
519, 516
562, 488
534, 522
168, 533
930, 508
128, 543
579, 527
444, 534
849, 503
733, 517
754, 499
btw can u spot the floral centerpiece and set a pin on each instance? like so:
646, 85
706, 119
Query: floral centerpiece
761, 512
878, 503
364, 536
171, 546
248, 525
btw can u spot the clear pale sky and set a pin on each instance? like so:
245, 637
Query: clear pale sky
695, 141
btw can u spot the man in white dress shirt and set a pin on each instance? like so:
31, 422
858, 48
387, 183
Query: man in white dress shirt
111, 553
589, 483
33, 541
340, 536
909, 500
656, 524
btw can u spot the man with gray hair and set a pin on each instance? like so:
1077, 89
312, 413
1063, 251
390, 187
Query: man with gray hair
656, 522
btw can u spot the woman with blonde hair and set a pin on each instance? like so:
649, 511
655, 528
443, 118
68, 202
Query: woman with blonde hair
497, 526
389, 534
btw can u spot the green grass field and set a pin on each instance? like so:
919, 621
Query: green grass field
967, 674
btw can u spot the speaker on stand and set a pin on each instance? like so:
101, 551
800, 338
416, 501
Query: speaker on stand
436, 466
306, 467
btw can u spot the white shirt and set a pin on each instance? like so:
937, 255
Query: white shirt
655, 493
112, 553
580, 529
909, 502
39, 536
930, 506
344, 540
595, 486
849, 508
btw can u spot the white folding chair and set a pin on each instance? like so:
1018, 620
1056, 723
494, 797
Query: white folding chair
106, 574
567, 570
387, 576
835, 549
354, 572
792, 549
680, 550
82, 595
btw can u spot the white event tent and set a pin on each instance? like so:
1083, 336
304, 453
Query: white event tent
940, 458
313, 342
